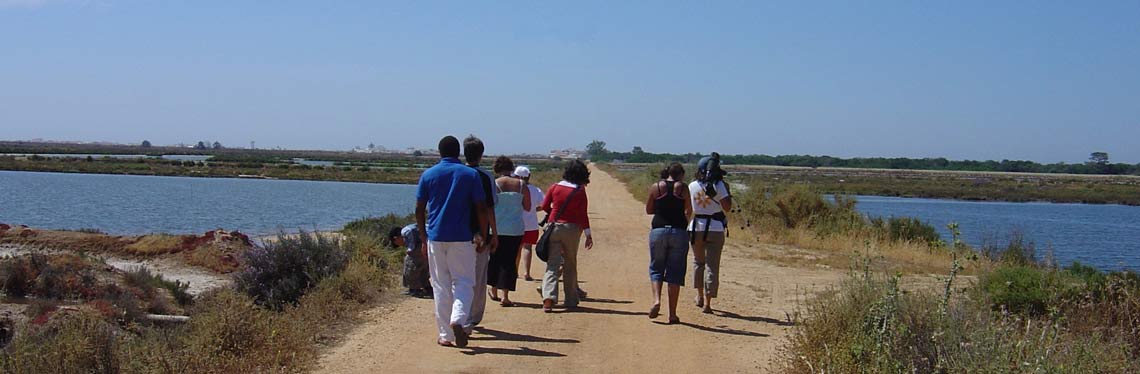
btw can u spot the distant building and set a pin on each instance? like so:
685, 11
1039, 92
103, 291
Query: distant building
372, 148
568, 153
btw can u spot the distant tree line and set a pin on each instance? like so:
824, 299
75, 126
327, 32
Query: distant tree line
1098, 162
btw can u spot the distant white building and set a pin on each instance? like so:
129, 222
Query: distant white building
567, 153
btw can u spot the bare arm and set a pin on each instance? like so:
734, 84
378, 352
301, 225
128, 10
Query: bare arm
421, 224
489, 217
726, 202
651, 199
481, 217
688, 200
526, 196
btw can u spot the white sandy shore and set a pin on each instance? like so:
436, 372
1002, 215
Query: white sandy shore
200, 280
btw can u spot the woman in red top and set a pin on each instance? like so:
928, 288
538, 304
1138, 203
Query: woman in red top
568, 226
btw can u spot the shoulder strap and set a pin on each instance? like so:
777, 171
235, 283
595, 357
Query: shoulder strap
567, 201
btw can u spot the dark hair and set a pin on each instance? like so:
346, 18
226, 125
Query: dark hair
394, 233
576, 173
449, 147
503, 164
472, 149
675, 170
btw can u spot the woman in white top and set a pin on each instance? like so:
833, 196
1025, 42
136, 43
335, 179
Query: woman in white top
530, 220
711, 199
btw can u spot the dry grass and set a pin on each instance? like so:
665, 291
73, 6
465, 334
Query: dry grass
155, 244
870, 324
215, 258
219, 255
819, 236
227, 331
66, 240
804, 247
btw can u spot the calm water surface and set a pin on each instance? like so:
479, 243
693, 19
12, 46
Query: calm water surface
1106, 236
123, 204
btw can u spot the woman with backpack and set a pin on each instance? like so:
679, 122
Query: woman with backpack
567, 204
668, 202
711, 199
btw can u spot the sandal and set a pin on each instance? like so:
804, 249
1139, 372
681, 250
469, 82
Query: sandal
674, 321
700, 301
492, 296
548, 306
655, 311
444, 343
460, 336
507, 304
529, 279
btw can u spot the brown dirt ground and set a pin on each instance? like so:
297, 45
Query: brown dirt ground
610, 332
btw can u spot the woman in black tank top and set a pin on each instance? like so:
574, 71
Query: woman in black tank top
671, 208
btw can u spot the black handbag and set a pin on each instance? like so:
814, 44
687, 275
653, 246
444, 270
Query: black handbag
542, 248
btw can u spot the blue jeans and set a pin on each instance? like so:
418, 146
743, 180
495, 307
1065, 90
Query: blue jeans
668, 250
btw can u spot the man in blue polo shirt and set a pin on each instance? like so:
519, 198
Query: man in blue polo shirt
444, 198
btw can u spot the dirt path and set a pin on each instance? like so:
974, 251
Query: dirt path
610, 332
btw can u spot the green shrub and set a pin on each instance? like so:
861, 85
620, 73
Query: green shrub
19, 277
55, 276
869, 325
1018, 251
1093, 278
907, 229
1030, 289
1017, 288
280, 272
231, 333
376, 227
150, 283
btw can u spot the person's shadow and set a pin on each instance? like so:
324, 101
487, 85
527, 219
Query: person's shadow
589, 310
719, 330
778, 322
516, 337
521, 351
607, 301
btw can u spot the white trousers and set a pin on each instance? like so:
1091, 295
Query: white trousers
452, 266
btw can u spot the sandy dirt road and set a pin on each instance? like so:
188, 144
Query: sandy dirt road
611, 331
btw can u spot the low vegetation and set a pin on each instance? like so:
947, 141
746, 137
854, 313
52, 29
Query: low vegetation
1098, 162
1018, 313
248, 328
216, 169
962, 186
228, 162
798, 216
217, 250
1018, 318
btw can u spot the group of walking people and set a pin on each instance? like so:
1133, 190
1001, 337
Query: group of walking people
687, 216
474, 225
477, 226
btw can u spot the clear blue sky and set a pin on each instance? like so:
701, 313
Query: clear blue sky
1039, 80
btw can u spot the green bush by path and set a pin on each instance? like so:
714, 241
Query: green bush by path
282, 270
869, 325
